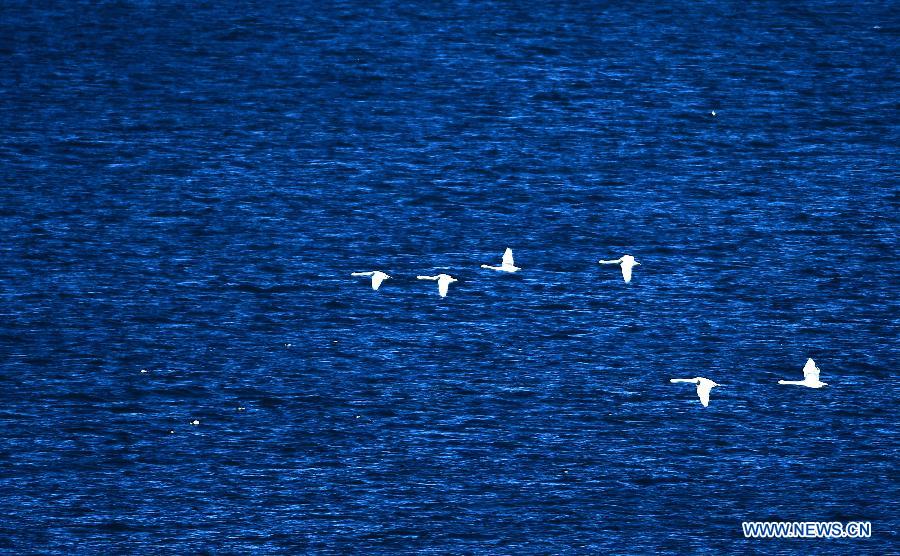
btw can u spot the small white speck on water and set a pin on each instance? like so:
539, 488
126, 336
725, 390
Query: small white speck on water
143, 370
195, 422
241, 408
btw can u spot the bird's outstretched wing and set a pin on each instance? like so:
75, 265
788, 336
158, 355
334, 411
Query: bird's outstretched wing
508, 257
626, 272
427, 277
442, 287
617, 261
703, 391
691, 380
810, 371
377, 279
362, 273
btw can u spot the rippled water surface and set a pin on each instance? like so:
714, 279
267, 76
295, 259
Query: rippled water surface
187, 187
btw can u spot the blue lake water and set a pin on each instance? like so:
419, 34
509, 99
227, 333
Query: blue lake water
187, 187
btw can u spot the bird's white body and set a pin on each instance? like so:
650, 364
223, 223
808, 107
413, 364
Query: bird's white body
507, 265
704, 385
810, 376
377, 277
627, 262
443, 280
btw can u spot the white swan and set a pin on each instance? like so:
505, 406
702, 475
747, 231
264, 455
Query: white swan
507, 265
443, 280
377, 277
704, 385
810, 376
627, 262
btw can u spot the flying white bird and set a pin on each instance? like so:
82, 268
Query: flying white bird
377, 277
507, 265
443, 280
810, 376
627, 262
704, 385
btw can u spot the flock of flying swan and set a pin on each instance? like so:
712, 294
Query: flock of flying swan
627, 264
